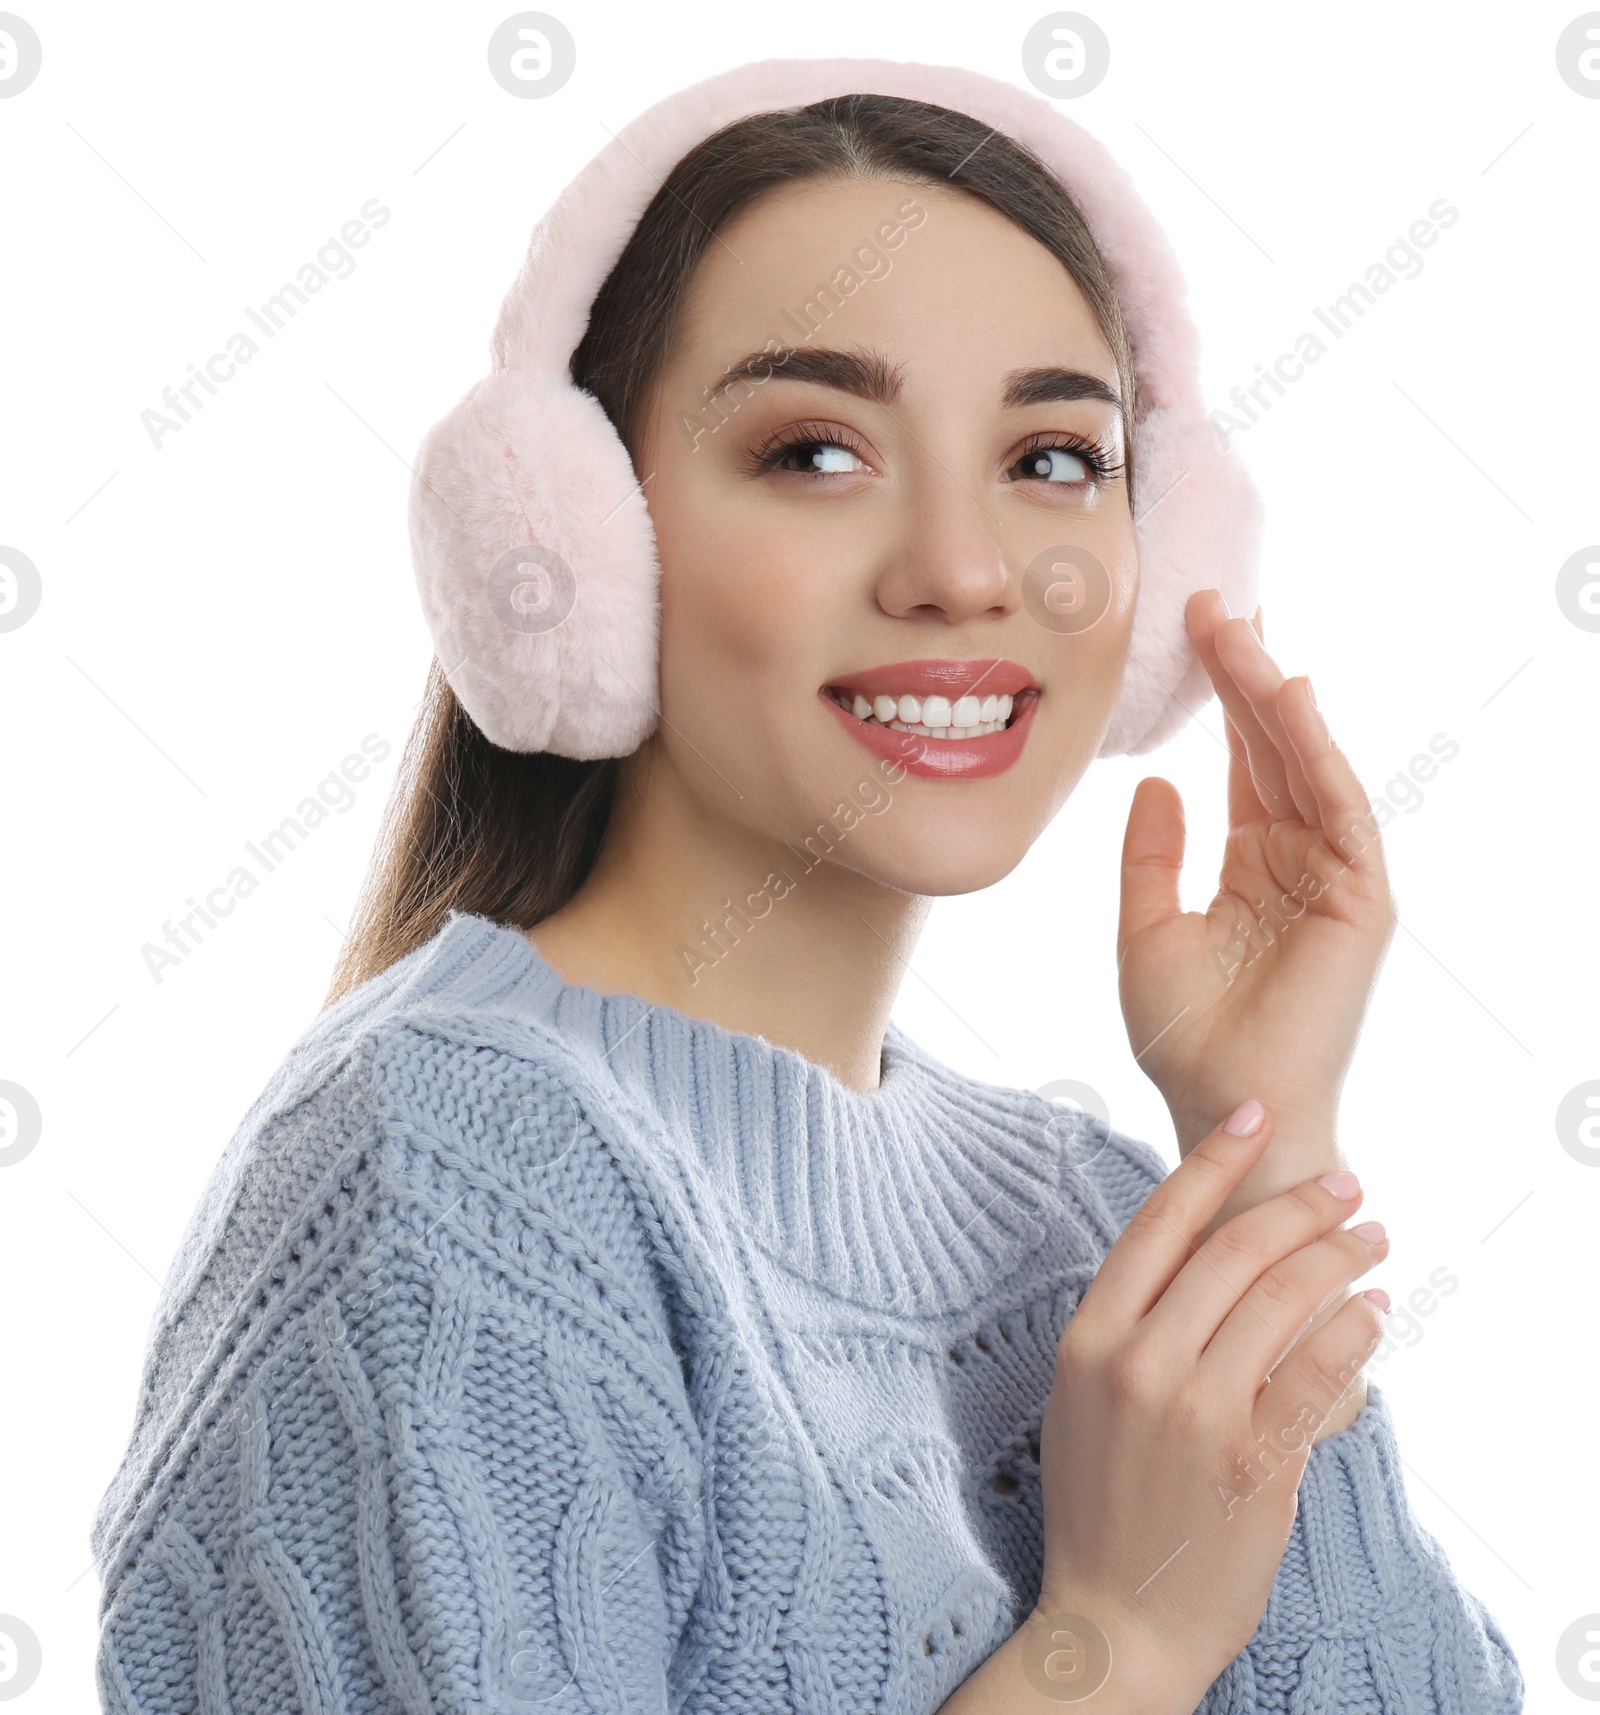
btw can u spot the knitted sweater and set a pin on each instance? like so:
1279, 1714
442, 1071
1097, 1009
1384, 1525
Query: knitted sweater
536, 1349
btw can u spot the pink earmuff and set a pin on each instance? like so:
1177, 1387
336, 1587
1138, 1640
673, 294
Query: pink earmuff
533, 548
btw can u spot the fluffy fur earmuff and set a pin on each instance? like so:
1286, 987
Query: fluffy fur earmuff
533, 548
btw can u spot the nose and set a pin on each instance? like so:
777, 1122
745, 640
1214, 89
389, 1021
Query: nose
946, 560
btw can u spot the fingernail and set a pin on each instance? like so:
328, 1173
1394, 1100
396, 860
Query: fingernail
1342, 1183
1371, 1231
1311, 692
1245, 1119
1224, 600
1378, 1297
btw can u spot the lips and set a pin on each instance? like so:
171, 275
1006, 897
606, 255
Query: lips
978, 757
938, 678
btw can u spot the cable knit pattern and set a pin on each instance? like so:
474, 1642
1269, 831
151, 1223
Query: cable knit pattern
532, 1348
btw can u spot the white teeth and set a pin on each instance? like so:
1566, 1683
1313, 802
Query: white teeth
982, 730
931, 716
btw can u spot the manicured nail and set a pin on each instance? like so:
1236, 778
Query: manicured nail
1311, 692
1378, 1297
1224, 600
1342, 1184
1245, 1119
1371, 1231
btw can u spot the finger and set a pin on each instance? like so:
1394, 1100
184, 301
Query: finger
1205, 611
1225, 1273
1259, 680
1261, 759
1261, 1328
1306, 1388
1152, 859
1342, 810
1244, 801
1164, 1230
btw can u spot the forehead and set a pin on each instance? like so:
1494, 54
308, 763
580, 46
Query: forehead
933, 276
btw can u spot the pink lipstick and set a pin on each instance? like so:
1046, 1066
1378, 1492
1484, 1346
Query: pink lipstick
942, 719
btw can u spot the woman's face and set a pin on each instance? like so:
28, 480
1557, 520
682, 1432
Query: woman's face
889, 525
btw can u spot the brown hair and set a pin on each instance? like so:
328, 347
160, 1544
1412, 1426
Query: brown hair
471, 827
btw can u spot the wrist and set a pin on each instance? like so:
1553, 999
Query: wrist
1057, 1656
1294, 1126
1303, 1146
1073, 1648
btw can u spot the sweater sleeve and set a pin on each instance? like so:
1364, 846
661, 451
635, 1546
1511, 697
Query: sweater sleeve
1365, 1613
440, 1458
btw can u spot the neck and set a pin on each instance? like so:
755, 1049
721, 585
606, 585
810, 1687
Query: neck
688, 910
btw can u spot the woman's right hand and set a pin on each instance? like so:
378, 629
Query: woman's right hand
1170, 1459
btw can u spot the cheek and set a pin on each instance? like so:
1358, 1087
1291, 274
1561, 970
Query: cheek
1115, 543
1105, 645
1083, 609
720, 632
739, 605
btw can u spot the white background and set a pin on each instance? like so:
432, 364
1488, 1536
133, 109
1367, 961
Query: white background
224, 619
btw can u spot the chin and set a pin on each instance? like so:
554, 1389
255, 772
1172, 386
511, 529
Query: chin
939, 875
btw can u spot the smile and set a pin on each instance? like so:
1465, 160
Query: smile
943, 720
933, 716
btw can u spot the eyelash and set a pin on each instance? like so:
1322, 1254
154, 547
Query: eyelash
1099, 456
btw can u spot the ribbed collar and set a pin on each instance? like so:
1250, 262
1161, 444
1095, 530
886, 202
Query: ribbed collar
915, 1197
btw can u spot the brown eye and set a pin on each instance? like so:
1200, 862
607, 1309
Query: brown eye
1054, 464
813, 448
1064, 461
825, 457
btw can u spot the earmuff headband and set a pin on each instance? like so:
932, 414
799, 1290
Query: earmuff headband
533, 549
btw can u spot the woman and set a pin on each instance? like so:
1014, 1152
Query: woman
607, 1306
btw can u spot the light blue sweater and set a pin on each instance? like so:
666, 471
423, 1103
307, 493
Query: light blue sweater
537, 1350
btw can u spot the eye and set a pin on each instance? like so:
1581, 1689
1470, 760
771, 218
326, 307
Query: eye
808, 449
1067, 461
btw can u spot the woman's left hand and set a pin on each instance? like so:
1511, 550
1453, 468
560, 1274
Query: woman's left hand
1263, 993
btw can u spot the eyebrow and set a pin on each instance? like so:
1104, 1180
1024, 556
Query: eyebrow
871, 376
